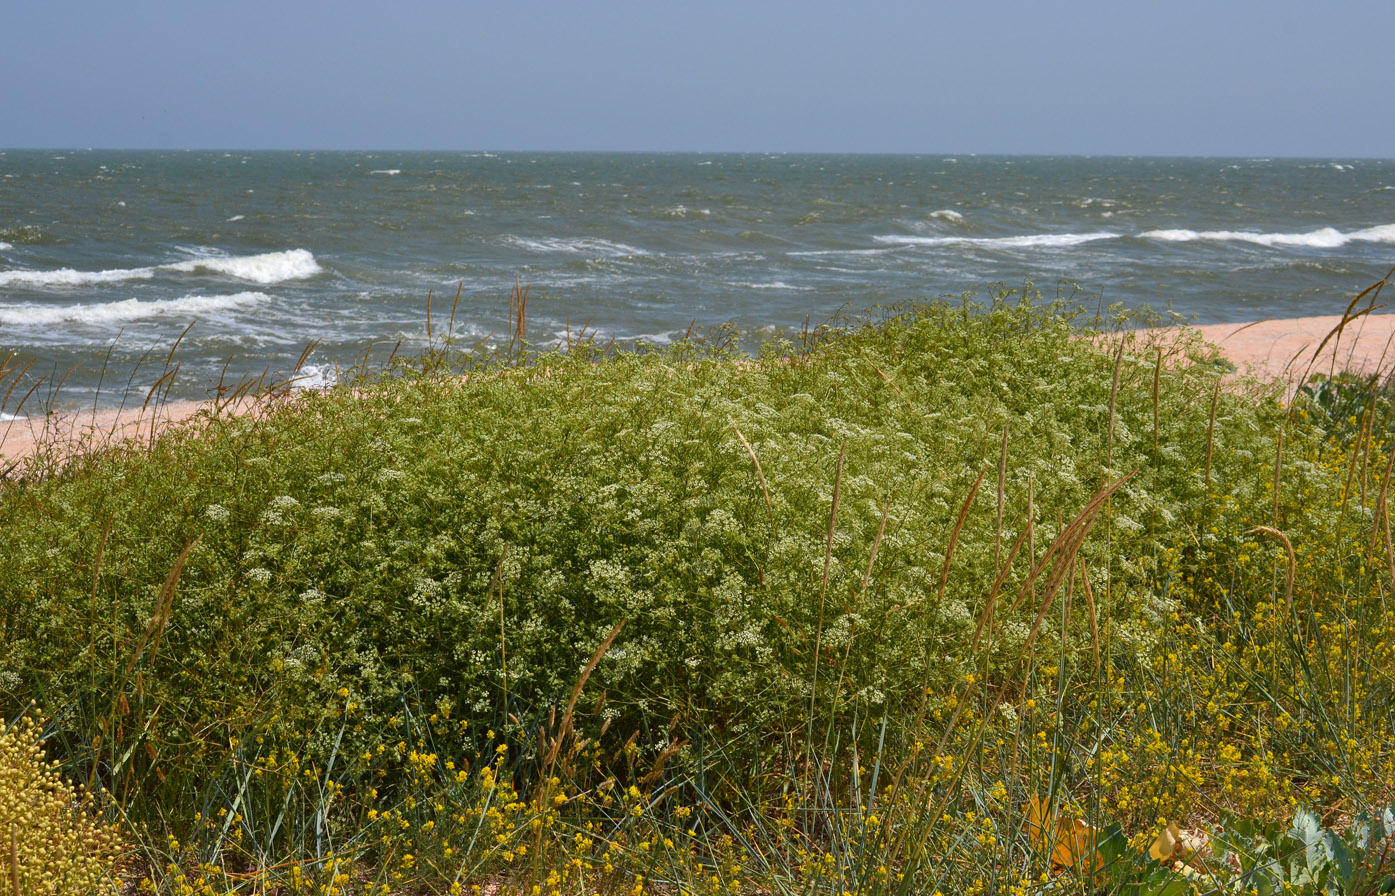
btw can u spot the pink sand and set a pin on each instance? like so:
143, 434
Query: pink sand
1285, 349
67, 431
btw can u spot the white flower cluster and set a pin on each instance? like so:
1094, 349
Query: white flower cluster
279, 510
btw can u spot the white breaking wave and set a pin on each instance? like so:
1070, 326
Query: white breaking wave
1028, 241
70, 277
268, 268
814, 253
126, 310
774, 284
387, 171
1323, 238
947, 214
4, 246
581, 245
316, 376
237, 217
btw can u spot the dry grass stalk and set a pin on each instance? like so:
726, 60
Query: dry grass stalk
498, 582
896, 388
1211, 431
1292, 559
1113, 408
1362, 446
14, 861
1002, 488
1157, 382
760, 474
591, 665
518, 316
1060, 556
1373, 291
985, 619
1383, 517
823, 590
954, 537
164, 603
876, 546
1094, 614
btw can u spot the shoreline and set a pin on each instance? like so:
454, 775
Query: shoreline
1275, 349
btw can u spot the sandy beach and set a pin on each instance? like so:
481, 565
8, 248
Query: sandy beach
1269, 349
1285, 349
20, 436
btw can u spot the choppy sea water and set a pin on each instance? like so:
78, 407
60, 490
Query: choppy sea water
107, 257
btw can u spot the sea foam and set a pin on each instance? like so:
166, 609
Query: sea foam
773, 284
70, 277
580, 245
1322, 238
126, 309
267, 268
1027, 241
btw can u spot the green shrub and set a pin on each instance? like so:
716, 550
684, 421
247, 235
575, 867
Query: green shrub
828, 552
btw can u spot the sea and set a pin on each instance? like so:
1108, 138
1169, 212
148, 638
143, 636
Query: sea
186, 272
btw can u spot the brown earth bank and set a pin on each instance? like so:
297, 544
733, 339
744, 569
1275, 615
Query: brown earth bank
1280, 349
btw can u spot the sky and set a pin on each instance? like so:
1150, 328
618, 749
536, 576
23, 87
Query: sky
1181, 77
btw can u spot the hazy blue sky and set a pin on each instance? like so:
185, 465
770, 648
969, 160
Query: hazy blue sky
1188, 77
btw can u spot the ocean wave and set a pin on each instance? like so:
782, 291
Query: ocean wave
70, 277
1027, 241
577, 245
816, 253
387, 171
126, 309
651, 338
267, 268
316, 376
773, 284
4, 246
947, 214
1322, 238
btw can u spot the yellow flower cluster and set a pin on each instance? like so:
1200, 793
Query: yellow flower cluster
49, 839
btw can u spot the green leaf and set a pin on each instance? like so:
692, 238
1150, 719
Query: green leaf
1164, 882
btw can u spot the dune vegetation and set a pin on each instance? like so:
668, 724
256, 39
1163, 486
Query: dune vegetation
947, 598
